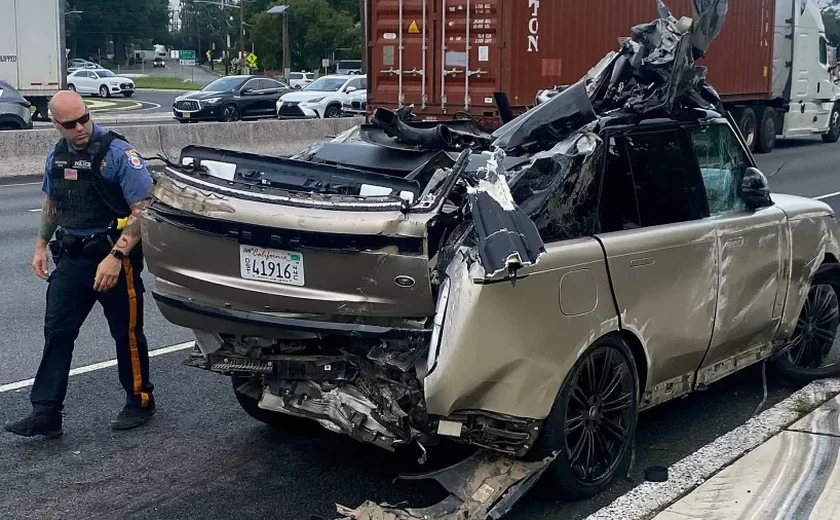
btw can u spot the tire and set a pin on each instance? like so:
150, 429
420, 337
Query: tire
128, 94
229, 114
276, 420
834, 127
766, 139
565, 477
816, 330
104, 92
747, 124
332, 111
71, 87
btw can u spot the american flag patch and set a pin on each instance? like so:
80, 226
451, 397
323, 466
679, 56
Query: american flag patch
71, 174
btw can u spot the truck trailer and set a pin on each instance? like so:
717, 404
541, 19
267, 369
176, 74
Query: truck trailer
449, 58
33, 53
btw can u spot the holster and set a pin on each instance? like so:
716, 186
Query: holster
96, 246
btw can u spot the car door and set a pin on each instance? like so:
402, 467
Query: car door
249, 103
751, 256
661, 251
271, 92
81, 82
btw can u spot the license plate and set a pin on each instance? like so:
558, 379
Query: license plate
271, 265
186, 115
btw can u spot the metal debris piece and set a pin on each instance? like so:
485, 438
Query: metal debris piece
508, 239
483, 486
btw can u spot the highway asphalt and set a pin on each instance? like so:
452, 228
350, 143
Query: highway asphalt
202, 457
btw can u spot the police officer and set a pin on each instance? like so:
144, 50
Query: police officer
96, 186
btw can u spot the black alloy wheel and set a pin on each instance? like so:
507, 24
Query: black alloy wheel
593, 422
809, 352
230, 113
333, 111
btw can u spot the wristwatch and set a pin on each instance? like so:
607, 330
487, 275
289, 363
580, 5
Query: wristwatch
116, 253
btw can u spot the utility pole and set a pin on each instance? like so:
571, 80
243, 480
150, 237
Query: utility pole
242, 36
287, 59
363, 17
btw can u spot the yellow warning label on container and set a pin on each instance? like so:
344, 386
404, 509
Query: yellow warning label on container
413, 28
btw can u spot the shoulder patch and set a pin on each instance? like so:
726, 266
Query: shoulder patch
131, 152
135, 162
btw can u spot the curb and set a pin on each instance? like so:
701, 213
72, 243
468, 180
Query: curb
650, 498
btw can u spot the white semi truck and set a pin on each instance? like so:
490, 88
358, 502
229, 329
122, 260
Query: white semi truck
33, 53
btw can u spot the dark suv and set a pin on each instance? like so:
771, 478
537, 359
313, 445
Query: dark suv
15, 113
230, 99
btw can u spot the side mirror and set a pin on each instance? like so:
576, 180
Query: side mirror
755, 189
350, 90
246, 91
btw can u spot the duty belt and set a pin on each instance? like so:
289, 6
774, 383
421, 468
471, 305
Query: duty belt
94, 245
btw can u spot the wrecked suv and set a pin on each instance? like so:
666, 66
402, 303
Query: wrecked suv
528, 292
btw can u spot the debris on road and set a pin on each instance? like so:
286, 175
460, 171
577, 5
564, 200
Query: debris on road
483, 486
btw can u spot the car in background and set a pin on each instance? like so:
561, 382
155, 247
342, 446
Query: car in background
345, 67
298, 80
100, 82
158, 62
231, 98
15, 113
79, 63
355, 104
321, 99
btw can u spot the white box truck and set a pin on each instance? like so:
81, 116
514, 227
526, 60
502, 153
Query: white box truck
33, 53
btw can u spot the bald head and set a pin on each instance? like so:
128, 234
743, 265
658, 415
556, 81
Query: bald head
68, 108
67, 105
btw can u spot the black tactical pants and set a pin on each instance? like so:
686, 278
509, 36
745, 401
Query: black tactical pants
70, 298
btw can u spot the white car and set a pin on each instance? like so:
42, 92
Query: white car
101, 82
298, 80
323, 98
355, 104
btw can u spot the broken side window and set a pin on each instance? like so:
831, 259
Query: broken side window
618, 209
722, 164
667, 184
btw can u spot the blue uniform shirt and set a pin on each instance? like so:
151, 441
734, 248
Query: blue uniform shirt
121, 164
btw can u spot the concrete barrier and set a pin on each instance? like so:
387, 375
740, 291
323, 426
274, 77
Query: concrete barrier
24, 152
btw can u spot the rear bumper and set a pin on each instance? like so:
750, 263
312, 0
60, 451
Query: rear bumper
187, 312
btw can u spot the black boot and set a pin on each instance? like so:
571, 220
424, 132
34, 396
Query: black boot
132, 417
37, 423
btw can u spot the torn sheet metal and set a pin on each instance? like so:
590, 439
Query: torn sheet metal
404, 134
508, 239
550, 122
483, 486
559, 189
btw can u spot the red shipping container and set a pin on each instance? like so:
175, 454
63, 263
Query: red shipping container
454, 54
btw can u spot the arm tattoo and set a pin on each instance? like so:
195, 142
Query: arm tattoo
131, 232
48, 223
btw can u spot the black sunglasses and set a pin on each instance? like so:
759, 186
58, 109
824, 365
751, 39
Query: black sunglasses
69, 125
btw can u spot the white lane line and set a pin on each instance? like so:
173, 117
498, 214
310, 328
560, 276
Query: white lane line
20, 184
36, 210
99, 366
827, 195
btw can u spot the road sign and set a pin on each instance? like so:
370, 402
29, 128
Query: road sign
187, 57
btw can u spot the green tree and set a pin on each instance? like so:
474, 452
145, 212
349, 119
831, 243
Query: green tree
316, 28
105, 24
